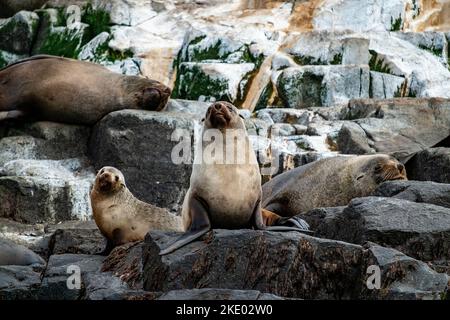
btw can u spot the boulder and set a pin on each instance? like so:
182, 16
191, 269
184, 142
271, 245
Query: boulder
385, 85
416, 191
58, 272
140, 144
400, 127
18, 32
287, 264
315, 86
77, 241
19, 282
419, 230
430, 165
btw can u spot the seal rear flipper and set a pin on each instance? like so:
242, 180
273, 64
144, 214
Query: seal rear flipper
291, 224
200, 225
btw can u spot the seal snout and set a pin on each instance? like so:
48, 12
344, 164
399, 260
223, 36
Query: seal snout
219, 114
155, 98
393, 170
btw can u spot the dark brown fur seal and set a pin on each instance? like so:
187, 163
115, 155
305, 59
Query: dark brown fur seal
121, 217
17, 255
224, 194
71, 91
329, 182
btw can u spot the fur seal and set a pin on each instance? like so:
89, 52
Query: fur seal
71, 91
17, 255
121, 217
329, 182
225, 185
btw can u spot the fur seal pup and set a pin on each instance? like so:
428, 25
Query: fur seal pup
71, 91
121, 217
329, 182
225, 185
17, 255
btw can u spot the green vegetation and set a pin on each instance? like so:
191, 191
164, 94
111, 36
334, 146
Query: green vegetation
264, 97
63, 42
377, 64
98, 21
104, 53
396, 24
192, 83
433, 50
337, 59
3, 62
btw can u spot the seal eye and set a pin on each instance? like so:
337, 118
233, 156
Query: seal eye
230, 109
117, 178
360, 177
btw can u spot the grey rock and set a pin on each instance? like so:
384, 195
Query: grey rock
196, 108
401, 127
286, 264
385, 86
416, 191
406, 278
104, 286
139, 143
419, 230
19, 282
352, 139
18, 32
430, 165
217, 294
60, 268
77, 241
315, 86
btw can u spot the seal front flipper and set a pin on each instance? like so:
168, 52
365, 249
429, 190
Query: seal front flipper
200, 225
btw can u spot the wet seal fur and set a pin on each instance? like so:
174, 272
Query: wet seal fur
120, 216
225, 195
71, 91
17, 255
329, 182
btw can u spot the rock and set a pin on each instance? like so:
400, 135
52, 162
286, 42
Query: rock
19, 282
430, 165
18, 32
367, 15
58, 272
37, 191
6, 58
385, 86
418, 281
139, 143
104, 286
416, 191
352, 139
77, 241
217, 294
285, 264
196, 108
312, 86
434, 42
24, 234
10, 7
400, 127
419, 230
212, 81
125, 262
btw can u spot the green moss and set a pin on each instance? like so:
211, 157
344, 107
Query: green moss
264, 98
301, 91
396, 24
3, 62
105, 53
197, 40
211, 53
433, 50
398, 92
192, 83
98, 20
337, 59
377, 64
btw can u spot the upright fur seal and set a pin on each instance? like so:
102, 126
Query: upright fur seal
121, 217
71, 91
225, 186
329, 182
17, 255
